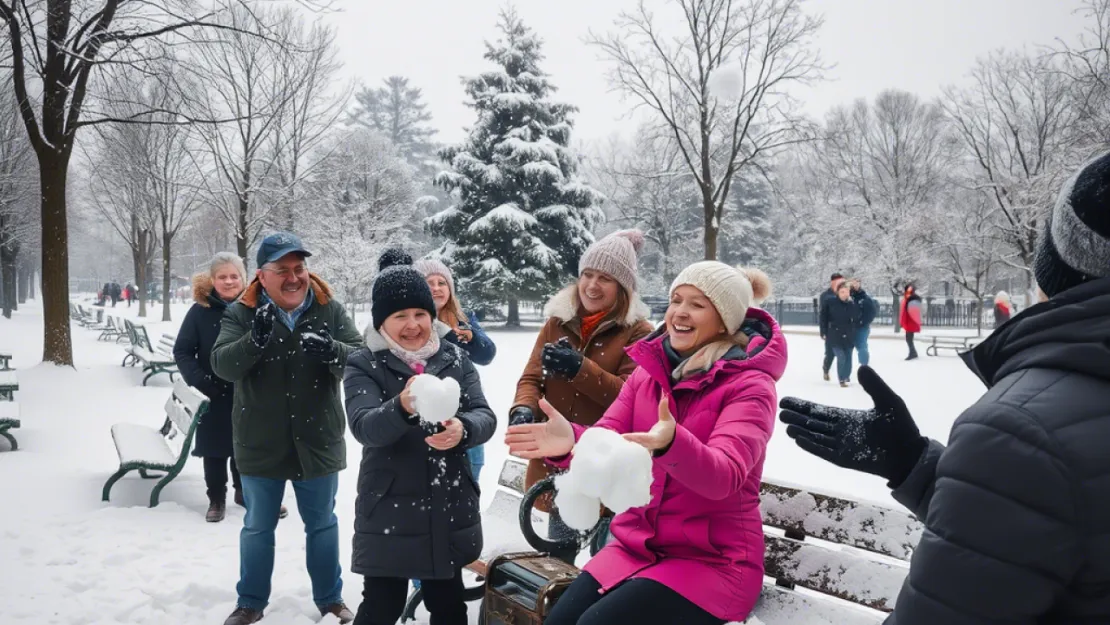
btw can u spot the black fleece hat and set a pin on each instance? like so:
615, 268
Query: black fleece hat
1075, 244
398, 287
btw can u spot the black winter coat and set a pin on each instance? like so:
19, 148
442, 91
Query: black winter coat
417, 515
844, 321
1017, 507
827, 298
869, 309
192, 352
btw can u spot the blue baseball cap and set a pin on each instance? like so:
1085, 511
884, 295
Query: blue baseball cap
279, 244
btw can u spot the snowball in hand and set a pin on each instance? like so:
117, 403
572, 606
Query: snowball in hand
436, 400
580, 512
608, 468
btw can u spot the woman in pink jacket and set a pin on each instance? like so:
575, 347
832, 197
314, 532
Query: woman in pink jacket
695, 552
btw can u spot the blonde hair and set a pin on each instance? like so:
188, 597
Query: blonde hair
452, 313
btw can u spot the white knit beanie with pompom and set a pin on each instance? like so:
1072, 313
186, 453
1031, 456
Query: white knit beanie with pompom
731, 289
615, 255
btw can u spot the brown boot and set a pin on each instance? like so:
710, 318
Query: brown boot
217, 510
282, 513
340, 610
243, 616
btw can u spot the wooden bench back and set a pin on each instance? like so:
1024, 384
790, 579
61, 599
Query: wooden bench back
165, 344
185, 408
137, 333
796, 560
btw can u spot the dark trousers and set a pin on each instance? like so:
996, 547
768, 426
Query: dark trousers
829, 356
634, 602
843, 362
215, 477
909, 342
383, 600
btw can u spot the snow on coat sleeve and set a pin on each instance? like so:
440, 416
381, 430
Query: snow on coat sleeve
375, 419
1001, 539
481, 349
718, 468
474, 412
234, 354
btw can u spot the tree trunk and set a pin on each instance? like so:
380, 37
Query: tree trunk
57, 344
241, 233
711, 226
166, 240
140, 262
24, 278
514, 314
9, 258
897, 317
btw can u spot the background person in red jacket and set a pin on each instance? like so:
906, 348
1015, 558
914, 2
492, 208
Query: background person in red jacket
910, 317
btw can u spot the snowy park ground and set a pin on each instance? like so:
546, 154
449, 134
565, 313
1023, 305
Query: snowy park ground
68, 558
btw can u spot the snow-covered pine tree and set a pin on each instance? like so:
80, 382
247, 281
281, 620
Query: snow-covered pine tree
748, 235
520, 216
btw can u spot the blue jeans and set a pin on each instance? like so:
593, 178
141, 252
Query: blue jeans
316, 504
477, 457
843, 363
861, 344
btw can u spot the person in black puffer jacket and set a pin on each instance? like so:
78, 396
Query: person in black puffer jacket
1017, 506
417, 512
844, 316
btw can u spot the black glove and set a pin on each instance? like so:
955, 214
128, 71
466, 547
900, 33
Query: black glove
521, 415
561, 358
320, 345
263, 326
883, 441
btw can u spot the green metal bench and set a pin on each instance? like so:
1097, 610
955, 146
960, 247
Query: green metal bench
9, 384
5, 362
155, 358
9, 419
146, 449
112, 330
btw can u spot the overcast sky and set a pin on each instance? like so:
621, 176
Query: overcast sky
916, 45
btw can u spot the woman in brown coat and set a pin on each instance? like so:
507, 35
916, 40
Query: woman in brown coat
579, 363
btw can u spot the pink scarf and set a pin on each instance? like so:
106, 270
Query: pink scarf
416, 360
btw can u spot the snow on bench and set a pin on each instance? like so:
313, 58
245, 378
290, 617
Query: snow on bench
144, 448
9, 384
155, 358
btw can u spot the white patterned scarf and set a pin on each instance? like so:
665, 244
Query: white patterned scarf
418, 358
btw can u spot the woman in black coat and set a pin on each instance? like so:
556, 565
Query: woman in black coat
417, 515
213, 291
845, 320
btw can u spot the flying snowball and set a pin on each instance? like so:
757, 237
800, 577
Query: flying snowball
436, 400
726, 82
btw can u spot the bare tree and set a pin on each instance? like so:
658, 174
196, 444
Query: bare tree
1087, 67
647, 186
721, 87
878, 174
968, 249
18, 188
1015, 123
53, 48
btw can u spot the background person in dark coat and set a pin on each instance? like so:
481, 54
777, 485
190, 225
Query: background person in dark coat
417, 514
843, 315
868, 310
1017, 506
823, 320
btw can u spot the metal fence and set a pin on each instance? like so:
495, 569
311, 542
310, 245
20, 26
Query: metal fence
936, 312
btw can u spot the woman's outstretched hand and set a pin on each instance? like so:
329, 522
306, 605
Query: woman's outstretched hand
661, 435
553, 438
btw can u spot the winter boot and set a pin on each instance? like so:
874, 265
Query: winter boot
243, 616
282, 513
340, 610
217, 510
826, 376
845, 384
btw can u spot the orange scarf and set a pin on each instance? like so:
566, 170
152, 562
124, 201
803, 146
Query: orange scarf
590, 323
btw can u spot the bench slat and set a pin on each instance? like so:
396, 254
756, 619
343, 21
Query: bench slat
191, 397
842, 574
142, 445
779, 606
512, 475
865, 526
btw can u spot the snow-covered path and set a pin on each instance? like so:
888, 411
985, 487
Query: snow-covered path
68, 558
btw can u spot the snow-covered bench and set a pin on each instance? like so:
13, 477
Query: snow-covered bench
9, 384
143, 448
5, 362
955, 343
155, 358
112, 330
9, 418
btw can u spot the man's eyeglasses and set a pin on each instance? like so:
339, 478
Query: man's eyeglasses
285, 272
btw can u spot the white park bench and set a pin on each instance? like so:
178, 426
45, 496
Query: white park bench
155, 358
145, 449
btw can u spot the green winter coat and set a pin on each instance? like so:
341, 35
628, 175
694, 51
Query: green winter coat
287, 420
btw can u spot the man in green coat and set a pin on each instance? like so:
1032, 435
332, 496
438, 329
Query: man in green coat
276, 345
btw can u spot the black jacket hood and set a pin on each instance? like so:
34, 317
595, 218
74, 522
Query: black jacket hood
1070, 332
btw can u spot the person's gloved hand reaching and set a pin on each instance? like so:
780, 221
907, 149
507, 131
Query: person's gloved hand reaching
320, 345
883, 441
263, 325
561, 358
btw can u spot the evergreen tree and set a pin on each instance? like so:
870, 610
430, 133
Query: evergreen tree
521, 217
748, 236
397, 111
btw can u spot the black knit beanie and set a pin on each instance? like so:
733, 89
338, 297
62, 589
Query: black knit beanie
398, 287
1075, 243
